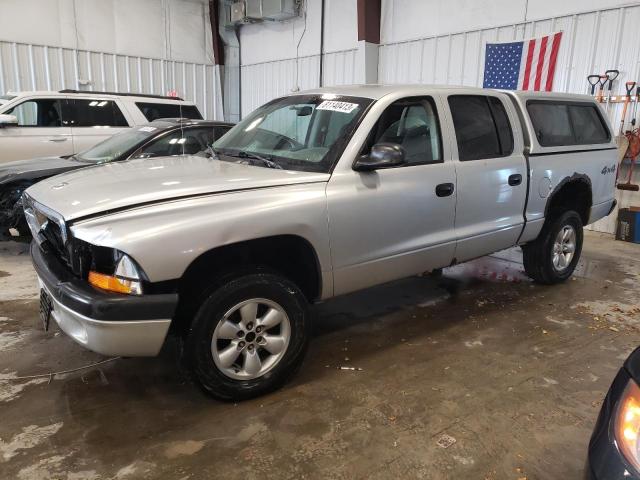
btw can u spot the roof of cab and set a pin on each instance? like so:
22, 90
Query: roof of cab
376, 91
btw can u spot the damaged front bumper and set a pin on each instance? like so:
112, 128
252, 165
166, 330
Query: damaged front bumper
107, 323
12, 221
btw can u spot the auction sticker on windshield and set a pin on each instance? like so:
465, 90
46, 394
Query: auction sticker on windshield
147, 129
335, 106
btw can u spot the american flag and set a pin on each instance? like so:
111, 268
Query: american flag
524, 65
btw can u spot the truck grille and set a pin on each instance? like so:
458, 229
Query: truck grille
48, 230
54, 239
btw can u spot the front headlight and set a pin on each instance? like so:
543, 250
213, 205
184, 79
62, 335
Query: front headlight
627, 424
125, 279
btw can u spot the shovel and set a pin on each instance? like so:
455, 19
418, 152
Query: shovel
631, 137
621, 140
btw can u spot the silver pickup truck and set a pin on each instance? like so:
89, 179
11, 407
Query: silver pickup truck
313, 195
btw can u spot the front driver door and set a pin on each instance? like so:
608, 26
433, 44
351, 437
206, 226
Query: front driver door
43, 130
396, 222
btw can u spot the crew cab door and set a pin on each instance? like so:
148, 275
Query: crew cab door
94, 120
491, 172
396, 222
43, 130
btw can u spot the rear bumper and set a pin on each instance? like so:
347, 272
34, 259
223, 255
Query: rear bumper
110, 324
602, 210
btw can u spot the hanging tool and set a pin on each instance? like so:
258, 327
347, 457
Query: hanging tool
635, 108
621, 139
633, 138
601, 83
593, 81
629, 86
611, 76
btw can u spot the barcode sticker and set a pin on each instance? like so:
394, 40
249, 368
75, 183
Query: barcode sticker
335, 106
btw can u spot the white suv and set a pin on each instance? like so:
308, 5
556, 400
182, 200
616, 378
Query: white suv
37, 124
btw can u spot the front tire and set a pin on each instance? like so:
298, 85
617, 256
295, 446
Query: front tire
553, 256
248, 337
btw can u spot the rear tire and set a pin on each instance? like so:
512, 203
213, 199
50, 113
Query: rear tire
248, 337
553, 256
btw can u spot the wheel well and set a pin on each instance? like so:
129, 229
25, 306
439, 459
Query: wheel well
572, 194
290, 255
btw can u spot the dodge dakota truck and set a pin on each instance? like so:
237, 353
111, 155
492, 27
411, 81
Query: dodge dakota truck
313, 195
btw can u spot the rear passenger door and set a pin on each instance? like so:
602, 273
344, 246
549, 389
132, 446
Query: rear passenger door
94, 120
491, 174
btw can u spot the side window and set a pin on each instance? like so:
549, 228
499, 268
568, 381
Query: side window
482, 127
551, 123
220, 131
505, 134
97, 113
153, 111
587, 125
39, 113
198, 139
186, 142
413, 124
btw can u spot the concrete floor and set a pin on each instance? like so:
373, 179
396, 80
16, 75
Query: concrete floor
481, 374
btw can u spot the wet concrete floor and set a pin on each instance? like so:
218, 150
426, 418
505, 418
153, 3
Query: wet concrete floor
479, 374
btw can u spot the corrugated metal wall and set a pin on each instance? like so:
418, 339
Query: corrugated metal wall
262, 82
592, 43
36, 67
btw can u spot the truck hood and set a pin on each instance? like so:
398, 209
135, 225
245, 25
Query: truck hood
119, 185
36, 168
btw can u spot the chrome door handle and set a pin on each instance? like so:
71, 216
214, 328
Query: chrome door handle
58, 139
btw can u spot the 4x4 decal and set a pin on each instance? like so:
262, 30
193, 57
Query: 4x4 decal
606, 170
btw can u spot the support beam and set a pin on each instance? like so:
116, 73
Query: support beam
368, 41
369, 20
218, 44
226, 53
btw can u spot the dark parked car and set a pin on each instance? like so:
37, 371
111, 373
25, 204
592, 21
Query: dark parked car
614, 449
166, 137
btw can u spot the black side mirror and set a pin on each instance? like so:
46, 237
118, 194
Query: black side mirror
383, 155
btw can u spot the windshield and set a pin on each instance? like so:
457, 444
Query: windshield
118, 145
299, 132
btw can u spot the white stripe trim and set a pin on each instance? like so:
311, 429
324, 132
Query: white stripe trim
523, 64
545, 66
534, 64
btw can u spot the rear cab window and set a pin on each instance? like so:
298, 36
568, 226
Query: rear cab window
565, 123
482, 127
153, 111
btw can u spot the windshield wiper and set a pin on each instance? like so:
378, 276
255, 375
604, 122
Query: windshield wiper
254, 156
76, 158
